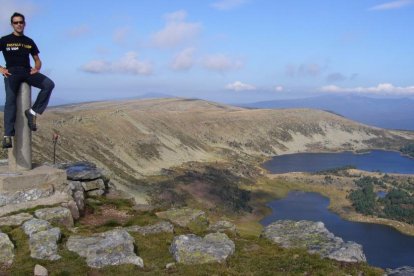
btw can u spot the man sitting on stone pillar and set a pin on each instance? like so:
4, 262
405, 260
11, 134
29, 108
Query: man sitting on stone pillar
16, 48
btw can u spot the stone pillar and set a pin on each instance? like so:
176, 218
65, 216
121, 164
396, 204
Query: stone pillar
20, 156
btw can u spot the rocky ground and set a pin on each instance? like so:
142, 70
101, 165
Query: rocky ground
85, 238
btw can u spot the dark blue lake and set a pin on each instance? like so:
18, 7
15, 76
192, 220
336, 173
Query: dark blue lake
376, 160
383, 246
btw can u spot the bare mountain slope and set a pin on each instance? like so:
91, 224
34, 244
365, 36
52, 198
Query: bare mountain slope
139, 137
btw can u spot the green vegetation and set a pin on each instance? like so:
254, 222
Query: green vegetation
398, 204
408, 149
340, 171
214, 184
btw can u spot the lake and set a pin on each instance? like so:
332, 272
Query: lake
383, 246
376, 160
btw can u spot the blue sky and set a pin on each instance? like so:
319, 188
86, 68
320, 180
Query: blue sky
231, 51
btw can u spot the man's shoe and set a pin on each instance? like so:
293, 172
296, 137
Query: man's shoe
7, 142
31, 120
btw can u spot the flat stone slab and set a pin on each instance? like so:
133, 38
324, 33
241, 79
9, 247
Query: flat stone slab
315, 238
114, 247
192, 249
15, 220
16, 197
83, 171
11, 181
56, 198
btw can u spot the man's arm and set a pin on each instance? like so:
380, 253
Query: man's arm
38, 64
4, 71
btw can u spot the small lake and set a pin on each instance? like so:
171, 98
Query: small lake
383, 246
376, 160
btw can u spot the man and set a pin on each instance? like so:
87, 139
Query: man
17, 48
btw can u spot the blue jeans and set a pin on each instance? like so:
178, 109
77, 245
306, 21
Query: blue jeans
12, 85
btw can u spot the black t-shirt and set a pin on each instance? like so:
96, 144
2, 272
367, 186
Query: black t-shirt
16, 50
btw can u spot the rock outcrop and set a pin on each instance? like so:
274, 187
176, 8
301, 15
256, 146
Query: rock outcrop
315, 238
401, 271
15, 220
109, 248
43, 239
192, 249
58, 215
6, 250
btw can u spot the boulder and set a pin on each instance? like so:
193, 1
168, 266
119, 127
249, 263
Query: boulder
75, 186
83, 171
15, 220
59, 215
161, 227
315, 238
192, 249
6, 250
401, 271
35, 225
97, 184
73, 208
184, 216
222, 226
109, 248
40, 271
79, 197
43, 244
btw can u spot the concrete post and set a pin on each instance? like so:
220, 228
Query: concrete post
20, 156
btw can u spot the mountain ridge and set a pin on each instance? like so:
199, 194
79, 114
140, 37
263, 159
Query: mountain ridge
392, 113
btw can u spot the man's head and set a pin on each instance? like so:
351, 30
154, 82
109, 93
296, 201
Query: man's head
18, 23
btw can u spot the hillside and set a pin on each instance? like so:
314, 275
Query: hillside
392, 113
137, 138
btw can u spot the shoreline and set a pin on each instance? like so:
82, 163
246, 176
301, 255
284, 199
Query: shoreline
337, 203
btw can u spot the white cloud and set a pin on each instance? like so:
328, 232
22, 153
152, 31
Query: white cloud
78, 31
228, 4
240, 86
279, 88
129, 64
176, 31
393, 5
97, 66
184, 60
221, 63
382, 88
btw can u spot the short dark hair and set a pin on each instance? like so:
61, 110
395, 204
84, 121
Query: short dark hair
16, 14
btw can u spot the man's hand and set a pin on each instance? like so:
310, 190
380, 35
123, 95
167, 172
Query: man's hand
4, 72
34, 71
